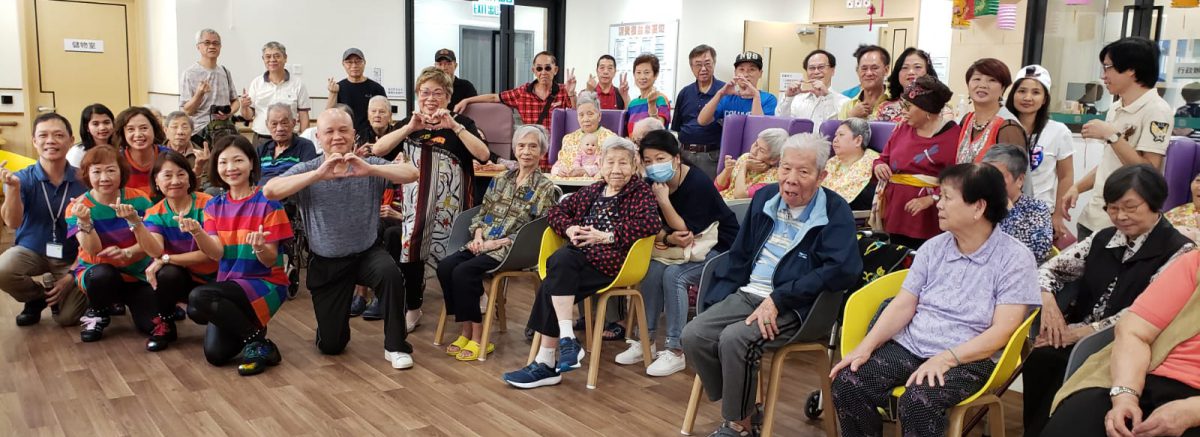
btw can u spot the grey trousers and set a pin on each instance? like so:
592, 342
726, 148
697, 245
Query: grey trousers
725, 351
705, 161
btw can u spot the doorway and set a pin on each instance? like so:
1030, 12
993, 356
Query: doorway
482, 47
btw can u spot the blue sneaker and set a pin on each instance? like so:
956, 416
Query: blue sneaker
570, 354
358, 305
533, 376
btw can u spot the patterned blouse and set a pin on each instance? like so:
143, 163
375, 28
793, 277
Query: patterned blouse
630, 215
849, 180
507, 206
570, 147
754, 181
1184, 215
1029, 221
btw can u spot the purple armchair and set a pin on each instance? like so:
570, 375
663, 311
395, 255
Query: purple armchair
496, 122
881, 132
740, 131
1179, 167
565, 121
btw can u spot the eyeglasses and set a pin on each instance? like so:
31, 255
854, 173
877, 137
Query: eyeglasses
703, 66
1106, 67
354, 62
210, 43
272, 57
425, 94
818, 67
1127, 208
541, 68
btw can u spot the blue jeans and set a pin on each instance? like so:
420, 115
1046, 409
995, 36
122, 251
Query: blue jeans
666, 286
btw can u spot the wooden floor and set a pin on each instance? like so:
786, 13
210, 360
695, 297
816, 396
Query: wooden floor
52, 384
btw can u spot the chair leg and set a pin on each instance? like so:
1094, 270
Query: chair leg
501, 302
588, 316
533, 347
441, 327
493, 294
954, 421
830, 418
996, 419
637, 306
689, 415
597, 341
773, 392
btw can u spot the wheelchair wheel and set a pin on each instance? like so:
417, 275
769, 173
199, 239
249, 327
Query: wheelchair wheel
812, 407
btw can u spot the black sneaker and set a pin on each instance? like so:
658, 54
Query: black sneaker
293, 282
117, 310
92, 325
32, 314
257, 356
374, 310
358, 304
162, 334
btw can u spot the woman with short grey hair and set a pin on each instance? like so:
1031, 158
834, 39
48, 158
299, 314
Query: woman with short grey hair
743, 176
587, 112
1028, 218
849, 170
276, 85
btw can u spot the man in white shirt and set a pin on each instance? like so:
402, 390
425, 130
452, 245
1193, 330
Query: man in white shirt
811, 98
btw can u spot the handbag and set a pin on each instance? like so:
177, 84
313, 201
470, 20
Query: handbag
696, 252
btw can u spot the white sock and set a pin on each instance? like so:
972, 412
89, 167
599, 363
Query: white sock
566, 329
545, 356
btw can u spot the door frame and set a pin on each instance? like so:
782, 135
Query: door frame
36, 96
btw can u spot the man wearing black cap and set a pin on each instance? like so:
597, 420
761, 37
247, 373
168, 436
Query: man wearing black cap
445, 60
355, 90
740, 95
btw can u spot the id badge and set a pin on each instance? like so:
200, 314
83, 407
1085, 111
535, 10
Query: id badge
54, 250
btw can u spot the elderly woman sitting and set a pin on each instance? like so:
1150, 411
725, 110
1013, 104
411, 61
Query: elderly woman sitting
601, 222
1111, 268
379, 121
643, 127
850, 166
512, 200
755, 169
1148, 384
587, 111
1028, 218
1186, 217
968, 290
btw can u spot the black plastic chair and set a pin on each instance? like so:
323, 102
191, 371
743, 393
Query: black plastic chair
1086, 347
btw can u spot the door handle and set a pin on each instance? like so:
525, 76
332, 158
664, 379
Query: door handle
45, 109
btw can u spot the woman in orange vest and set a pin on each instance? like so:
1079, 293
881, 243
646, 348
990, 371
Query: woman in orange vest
989, 123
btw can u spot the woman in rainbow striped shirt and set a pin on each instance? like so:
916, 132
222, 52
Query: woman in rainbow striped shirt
178, 265
242, 231
111, 267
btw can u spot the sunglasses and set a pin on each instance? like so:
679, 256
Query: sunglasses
541, 68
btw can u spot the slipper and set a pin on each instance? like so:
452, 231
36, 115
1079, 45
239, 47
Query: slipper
617, 332
470, 352
456, 347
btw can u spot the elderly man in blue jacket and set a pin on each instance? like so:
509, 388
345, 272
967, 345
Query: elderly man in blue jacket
797, 241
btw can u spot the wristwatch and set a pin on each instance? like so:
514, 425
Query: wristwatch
1116, 136
166, 259
1118, 390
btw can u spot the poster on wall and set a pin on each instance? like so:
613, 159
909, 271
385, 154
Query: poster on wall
628, 40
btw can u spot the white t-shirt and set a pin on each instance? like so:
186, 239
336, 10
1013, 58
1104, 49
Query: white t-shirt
75, 155
1054, 144
263, 94
809, 106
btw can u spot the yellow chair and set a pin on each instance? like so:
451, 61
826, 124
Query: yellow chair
15, 162
862, 307
625, 284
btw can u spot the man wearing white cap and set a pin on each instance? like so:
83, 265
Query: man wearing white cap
355, 90
1051, 171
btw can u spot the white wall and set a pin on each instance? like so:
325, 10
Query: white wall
437, 24
161, 35
842, 41
934, 33
10, 45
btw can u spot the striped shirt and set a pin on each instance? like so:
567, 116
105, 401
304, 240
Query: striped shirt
139, 177
160, 219
229, 220
791, 224
301, 150
639, 109
112, 231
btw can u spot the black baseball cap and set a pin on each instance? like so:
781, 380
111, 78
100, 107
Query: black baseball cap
444, 55
748, 56
352, 52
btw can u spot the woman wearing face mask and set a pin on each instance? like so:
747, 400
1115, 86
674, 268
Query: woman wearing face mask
140, 138
97, 123
442, 145
989, 123
697, 225
910, 65
650, 103
1051, 168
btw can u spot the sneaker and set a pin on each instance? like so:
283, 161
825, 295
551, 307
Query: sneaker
293, 283
32, 314
727, 430
533, 376
666, 363
162, 334
412, 319
92, 325
374, 310
257, 356
570, 354
633, 355
358, 304
118, 309
399, 360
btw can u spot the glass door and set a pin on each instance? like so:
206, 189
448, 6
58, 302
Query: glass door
1179, 80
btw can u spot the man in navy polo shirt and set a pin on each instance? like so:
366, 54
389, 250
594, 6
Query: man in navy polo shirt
35, 200
701, 144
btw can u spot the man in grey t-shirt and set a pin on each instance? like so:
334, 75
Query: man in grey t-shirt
206, 91
339, 194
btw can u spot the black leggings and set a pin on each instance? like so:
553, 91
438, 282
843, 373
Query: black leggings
1082, 413
414, 272
568, 273
1043, 375
230, 317
461, 276
175, 283
106, 287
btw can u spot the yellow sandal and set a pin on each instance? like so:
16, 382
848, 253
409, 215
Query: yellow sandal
470, 352
454, 348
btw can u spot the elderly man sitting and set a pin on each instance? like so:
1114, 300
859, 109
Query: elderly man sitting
797, 242
285, 149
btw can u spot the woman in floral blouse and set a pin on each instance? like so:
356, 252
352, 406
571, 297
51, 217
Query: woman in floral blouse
601, 222
512, 200
1185, 217
755, 169
849, 169
1028, 218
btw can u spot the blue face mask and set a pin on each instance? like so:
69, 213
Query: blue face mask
660, 172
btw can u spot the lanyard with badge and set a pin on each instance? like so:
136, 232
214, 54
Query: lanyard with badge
54, 249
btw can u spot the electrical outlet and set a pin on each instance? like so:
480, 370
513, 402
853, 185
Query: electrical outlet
11, 101
296, 69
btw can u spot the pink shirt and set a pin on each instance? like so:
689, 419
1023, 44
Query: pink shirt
1159, 305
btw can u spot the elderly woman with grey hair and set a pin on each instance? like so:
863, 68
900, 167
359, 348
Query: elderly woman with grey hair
1028, 218
850, 166
587, 112
513, 199
600, 223
755, 169
276, 85
379, 121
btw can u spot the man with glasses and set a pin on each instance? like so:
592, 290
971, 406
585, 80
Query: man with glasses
274, 86
872, 68
535, 100
355, 90
447, 61
206, 88
815, 102
700, 143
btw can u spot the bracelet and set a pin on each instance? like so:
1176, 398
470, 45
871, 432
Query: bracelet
957, 362
458, 130
86, 228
